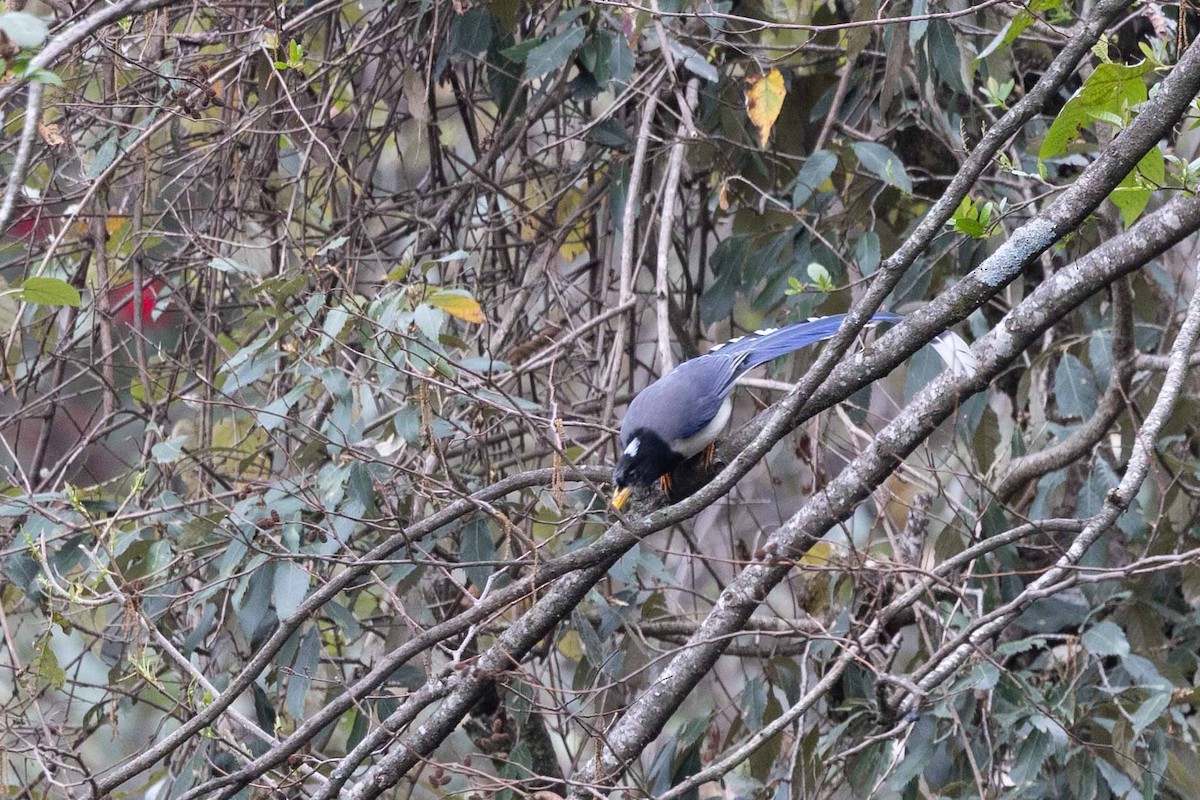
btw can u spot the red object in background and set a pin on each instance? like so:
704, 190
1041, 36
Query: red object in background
161, 317
158, 308
33, 225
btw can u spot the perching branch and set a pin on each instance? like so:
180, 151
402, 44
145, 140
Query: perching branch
943, 663
1091, 188
644, 719
1051, 301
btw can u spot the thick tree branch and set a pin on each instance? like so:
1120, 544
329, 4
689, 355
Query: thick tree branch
1091, 188
645, 717
1015, 253
943, 663
264, 656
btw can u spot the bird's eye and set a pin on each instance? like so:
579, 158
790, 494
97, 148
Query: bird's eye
632, 448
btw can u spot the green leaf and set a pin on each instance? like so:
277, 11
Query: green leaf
868, 253
553, 52
1091, 496
470, 34
304, 668
1111, 88
816, 171
762, 761
817, 273
334, 322
1074, 388
24, 30
1100, 354
49, 292
518, 404
610, 133
222, 264
1052, 728
1134, 191
884, 164
972, 220
103, 158
43, 75
1106, 116
45, 665
1117, 781
923, 367
620, 61
169, 451
1016, 26
477, 545
483, 365
698, 65
1032, 754
917, 28
1106, 639
1150, 710
919, 752
333, 245
943, 51
344, 618
291, 584
519, 53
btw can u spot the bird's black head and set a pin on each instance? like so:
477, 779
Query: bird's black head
645, 459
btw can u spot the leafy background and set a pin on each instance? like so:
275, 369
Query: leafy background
286, 283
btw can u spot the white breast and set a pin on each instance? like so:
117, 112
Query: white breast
708, 434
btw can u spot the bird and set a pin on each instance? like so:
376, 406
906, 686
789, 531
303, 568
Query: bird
682, 413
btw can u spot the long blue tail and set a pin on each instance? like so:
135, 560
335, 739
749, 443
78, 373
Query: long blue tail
766, 345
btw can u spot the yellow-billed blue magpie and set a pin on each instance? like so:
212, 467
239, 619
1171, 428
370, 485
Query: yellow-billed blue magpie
684, 411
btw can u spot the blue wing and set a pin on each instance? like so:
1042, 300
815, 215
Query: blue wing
679, 404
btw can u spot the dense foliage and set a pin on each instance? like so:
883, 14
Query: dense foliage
319, 318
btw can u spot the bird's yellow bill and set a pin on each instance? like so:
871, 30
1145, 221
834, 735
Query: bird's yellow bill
621, 497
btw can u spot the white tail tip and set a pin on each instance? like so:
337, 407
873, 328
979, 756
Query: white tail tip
956, 353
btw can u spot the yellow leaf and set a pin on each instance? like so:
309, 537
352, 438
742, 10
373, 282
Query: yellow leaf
571, 646
239, 450
533, 203
576, 242
458, 305
820, 554
764, 101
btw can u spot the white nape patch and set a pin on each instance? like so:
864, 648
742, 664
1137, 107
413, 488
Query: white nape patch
956, 353
632, 448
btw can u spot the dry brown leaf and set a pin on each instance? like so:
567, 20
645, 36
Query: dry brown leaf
51, 134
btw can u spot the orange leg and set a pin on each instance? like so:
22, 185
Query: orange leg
664, 483
710, 454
